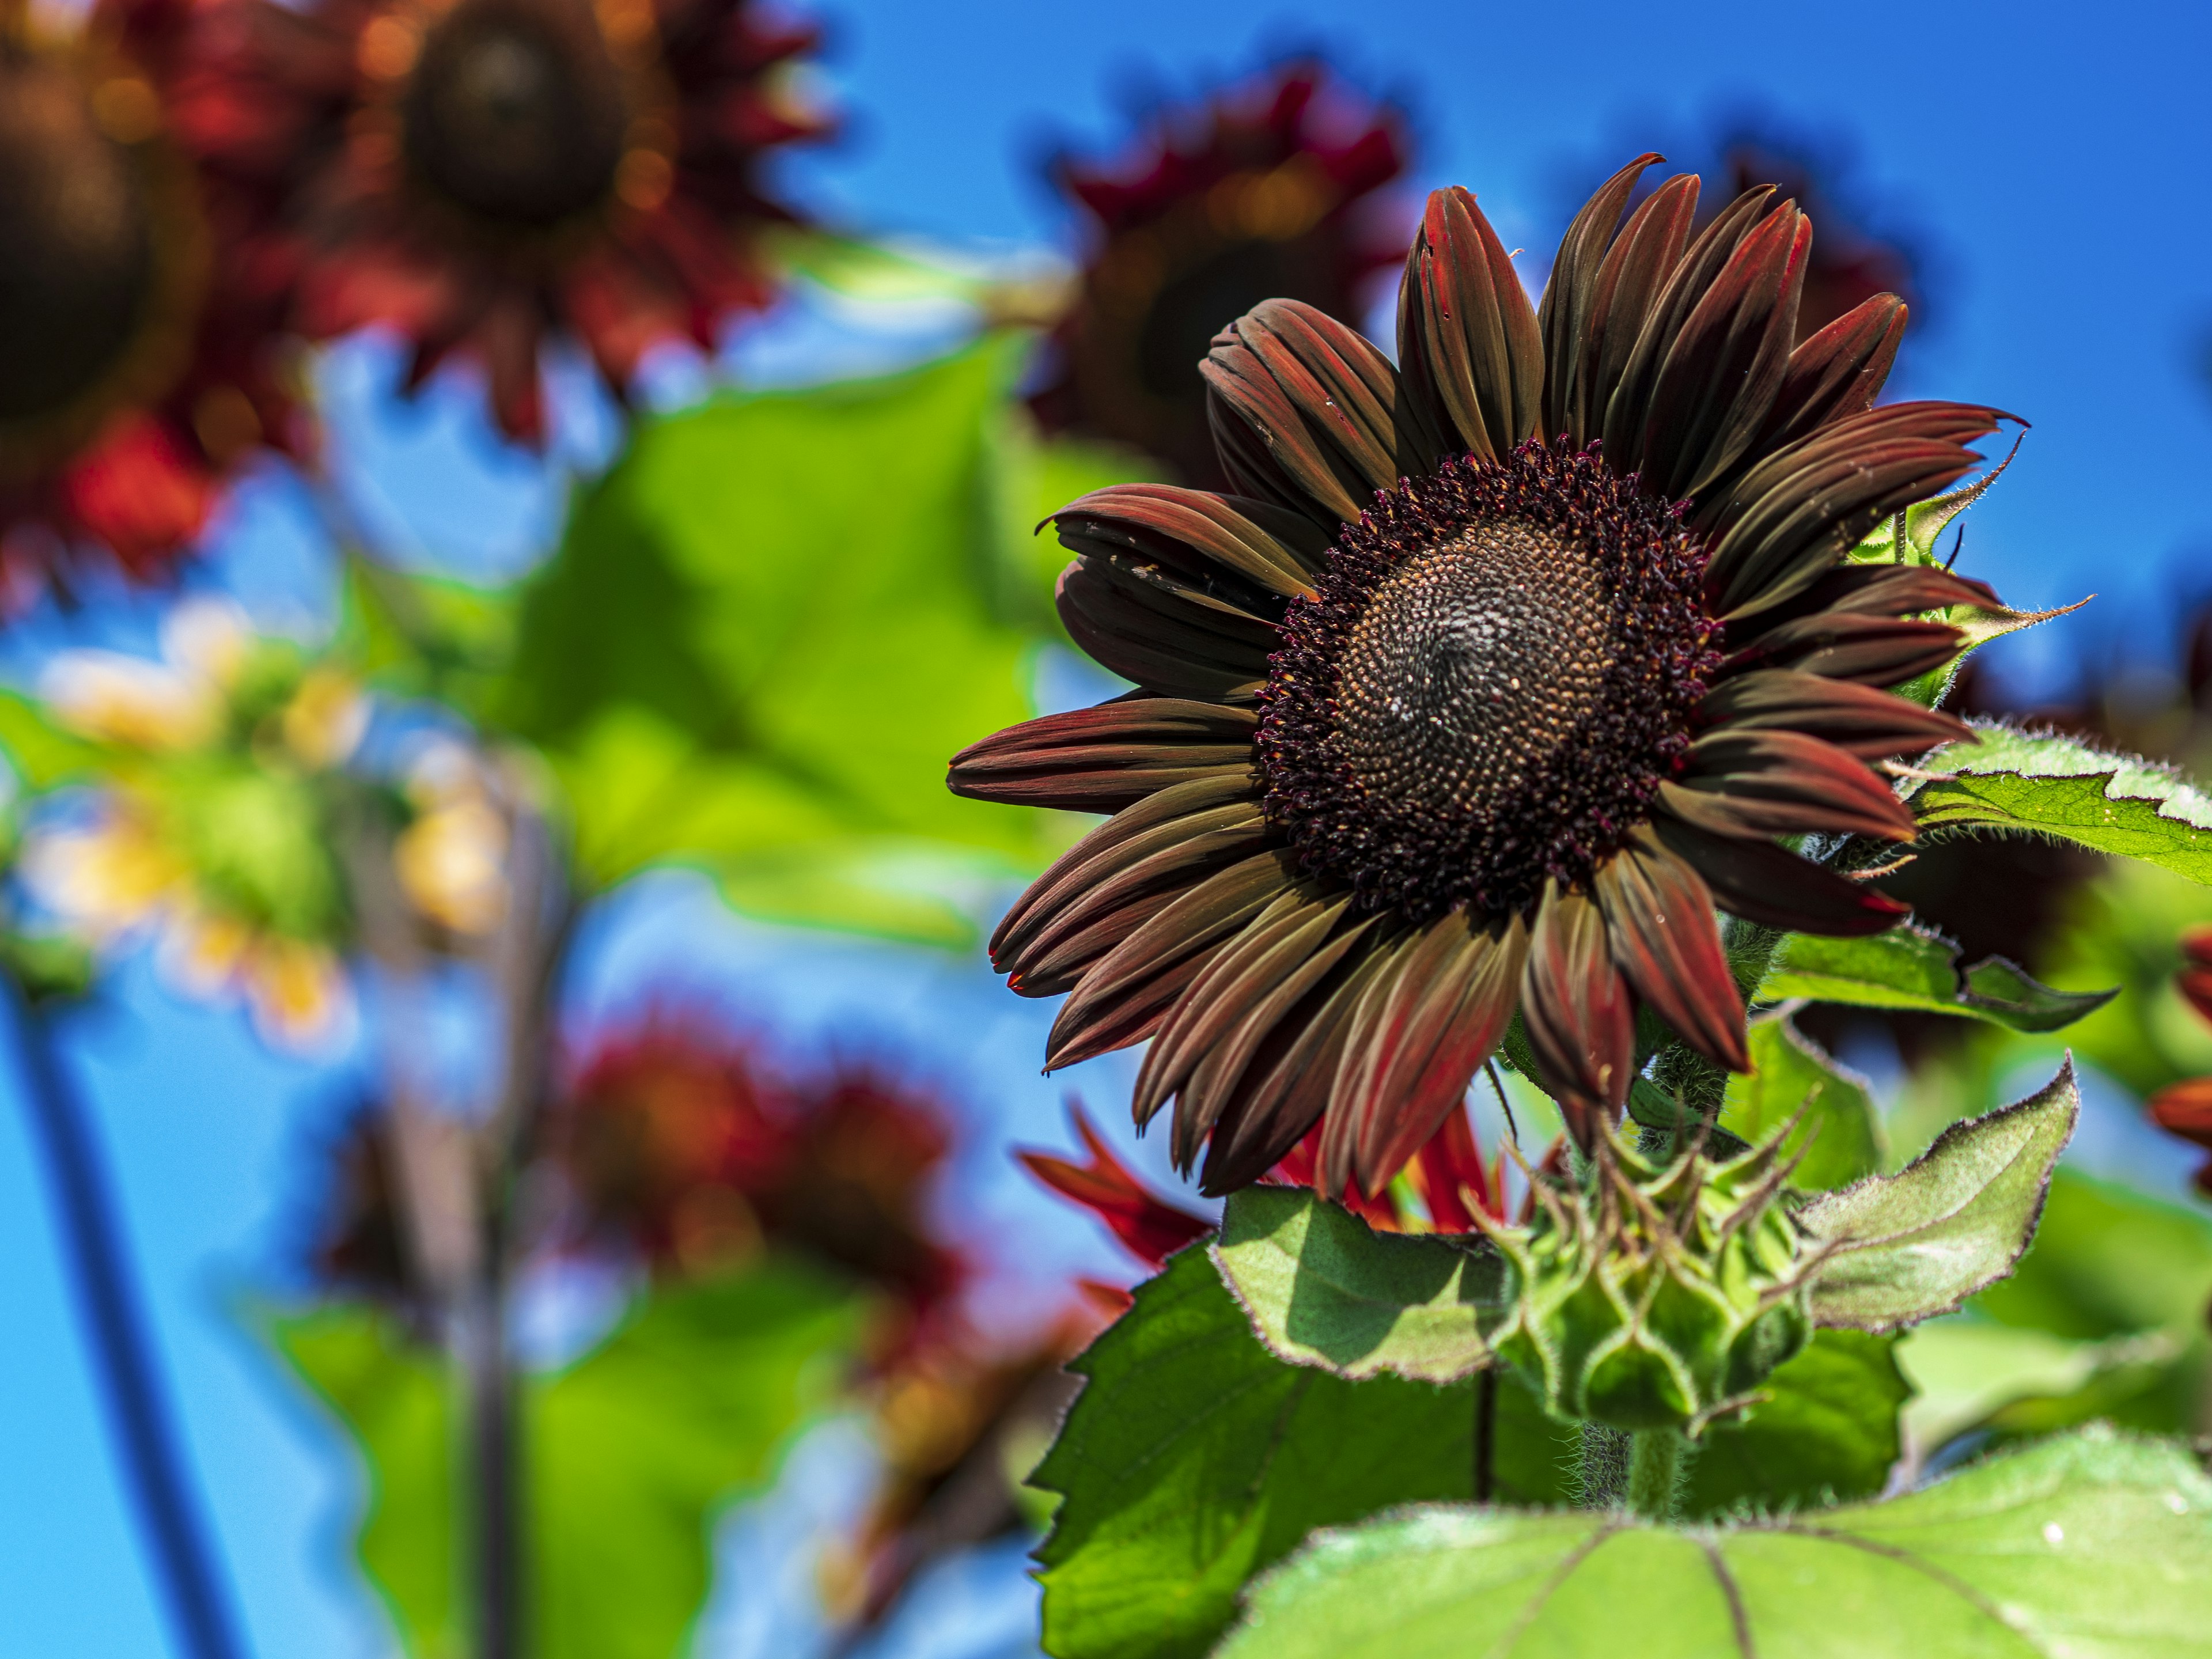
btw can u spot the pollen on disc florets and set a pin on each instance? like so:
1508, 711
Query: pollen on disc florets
1495, 674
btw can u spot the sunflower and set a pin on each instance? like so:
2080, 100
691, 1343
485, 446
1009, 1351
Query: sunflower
475, 173
139, 369
1496, 673
1271, 190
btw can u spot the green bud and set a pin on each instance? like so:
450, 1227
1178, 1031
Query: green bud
1662, 1297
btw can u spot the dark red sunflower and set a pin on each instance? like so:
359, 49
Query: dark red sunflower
139, 370
2185, 1109
1495, 673
477, 173
1270, 190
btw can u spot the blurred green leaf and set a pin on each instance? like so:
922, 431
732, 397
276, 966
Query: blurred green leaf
2108, 1261
769, 627
43, 755
1904, 1247
420, 634
1194, 1457
2056, 786
1322, 1288
1911, 968
1839, 1132
1968, 1371
1827, 1434
627, 1454
2090, 1545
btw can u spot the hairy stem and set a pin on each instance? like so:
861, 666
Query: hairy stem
1601, 1476
122, 1349
1654, 1471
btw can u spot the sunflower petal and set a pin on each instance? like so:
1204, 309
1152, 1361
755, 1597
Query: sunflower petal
1785, 783
1472, 353
1843, 645
1860, 719
1143, 623
1317, 396
1721, 375
1198, 533
1659, 918
1791, 518
1635, 271
1628, 413
1444, 1013
1773, 886
1577, 1009
1104, 758
1838, 372
1125, 996
1563, 319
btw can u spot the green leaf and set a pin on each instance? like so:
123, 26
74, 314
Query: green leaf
627, 1454
420, 634
1828, 1434
1322, 1288
768, 629
2109, 1261
1967, 1369
2092, 1545
44, 755
1838, 1130
2054, 786
1904, 1247
1911, 968
1194, 1458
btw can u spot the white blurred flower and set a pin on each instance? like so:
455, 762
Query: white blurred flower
451, 859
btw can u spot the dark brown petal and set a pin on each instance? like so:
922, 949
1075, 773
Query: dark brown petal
1471, 355
1891, 590
1043, 949
1724, 367
1405, 1066
1236, 976
1782, 783
1659, 917
1320, 399
1124, 997
1577, 1009
1860, 719
1843, 645
1789, 519
1158, 825
1103, 759
1838, 372
1198, 533
1628, 413
1569, 296
1635, 272
1771, 885
1171, 638
1286, 1087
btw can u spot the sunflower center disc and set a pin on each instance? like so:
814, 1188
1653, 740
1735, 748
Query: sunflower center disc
78, 272
1495, 674
1472, 666
516, 111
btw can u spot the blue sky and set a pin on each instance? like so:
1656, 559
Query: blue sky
2056, 165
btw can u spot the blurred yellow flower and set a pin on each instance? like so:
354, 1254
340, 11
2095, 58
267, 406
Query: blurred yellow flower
176, 703
451, 859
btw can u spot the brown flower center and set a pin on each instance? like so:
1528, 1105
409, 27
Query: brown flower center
1495, 676
78, 266
516, 111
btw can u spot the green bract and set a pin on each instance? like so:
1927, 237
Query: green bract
1663, 1298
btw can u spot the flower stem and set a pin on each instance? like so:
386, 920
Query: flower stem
122, 1348
1655, 1467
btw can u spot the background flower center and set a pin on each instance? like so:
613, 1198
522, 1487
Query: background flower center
516, 111
79, 276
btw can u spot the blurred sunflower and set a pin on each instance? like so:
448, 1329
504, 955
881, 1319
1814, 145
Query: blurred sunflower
475, 173
1271, 190
2185, 1109
142, 368
207, 828
1499, 668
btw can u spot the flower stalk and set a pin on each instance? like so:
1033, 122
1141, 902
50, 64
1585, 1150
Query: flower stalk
1654, 1472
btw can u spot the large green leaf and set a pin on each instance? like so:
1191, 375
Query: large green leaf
1322, 1288
1194, 1458
43, 755
768, 629
1904, 1247
1910, 968
2093, 1546
1791, 1077
626, 1455
2054, 786
1828, 1432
